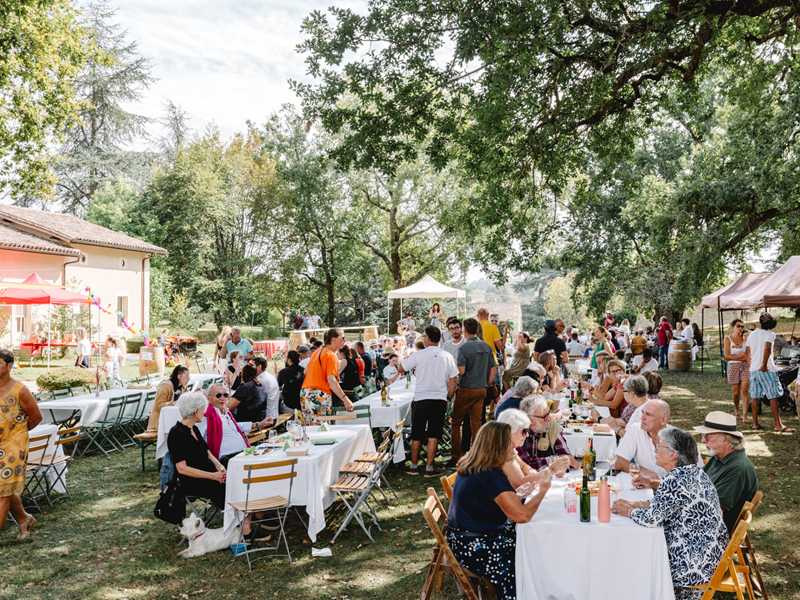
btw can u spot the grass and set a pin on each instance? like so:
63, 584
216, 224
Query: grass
104, 543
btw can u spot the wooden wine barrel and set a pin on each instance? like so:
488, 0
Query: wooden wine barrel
680, 355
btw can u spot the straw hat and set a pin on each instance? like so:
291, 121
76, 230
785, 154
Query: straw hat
719, 422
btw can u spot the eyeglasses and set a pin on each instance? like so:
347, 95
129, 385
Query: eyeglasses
223, 395
613, 371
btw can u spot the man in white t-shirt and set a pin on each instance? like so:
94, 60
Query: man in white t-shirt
764, 381
436, 378
269, 387
644, 362
639, 442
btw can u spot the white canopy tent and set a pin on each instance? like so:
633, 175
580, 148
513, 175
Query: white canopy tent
427, 287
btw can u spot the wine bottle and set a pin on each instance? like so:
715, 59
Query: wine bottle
579, 394
593, 473
586, 501
586, 462
384, 395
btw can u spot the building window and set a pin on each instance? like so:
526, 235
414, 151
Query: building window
19, 324
122, 309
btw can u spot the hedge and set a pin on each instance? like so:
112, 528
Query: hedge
65, 377
133, 344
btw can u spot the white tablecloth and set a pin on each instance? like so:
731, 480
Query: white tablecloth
315, 473
93, 407
52, 472
168, 416
196, 380
560, 558
388, 416
605, 445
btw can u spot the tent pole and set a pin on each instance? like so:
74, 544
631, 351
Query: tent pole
721, 343
703, 335
49, 334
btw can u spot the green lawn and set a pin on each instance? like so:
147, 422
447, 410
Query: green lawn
104, 543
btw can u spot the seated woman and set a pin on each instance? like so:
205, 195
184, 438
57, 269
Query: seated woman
519, 360
635, 392
167, 393
233, 373
545, 438
521, 476
614, 397
290, 380
552, 380
644, 363
598, 377
200, 474
479, 532
687, 506
249, 402
525, 386
654, 383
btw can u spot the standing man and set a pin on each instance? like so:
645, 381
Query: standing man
663, 337
321, 383
437, 377
764, 382
456, 337
551, 340
269, 387
477, 371
362, 352
407, 327
490, 332
238, 343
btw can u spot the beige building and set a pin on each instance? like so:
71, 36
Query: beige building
68, 251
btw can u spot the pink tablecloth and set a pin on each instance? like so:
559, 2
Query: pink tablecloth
270, 347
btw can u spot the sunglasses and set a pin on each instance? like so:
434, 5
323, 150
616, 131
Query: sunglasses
223, 395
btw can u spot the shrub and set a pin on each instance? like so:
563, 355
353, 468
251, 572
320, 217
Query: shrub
133, 344
65, 377
273, 332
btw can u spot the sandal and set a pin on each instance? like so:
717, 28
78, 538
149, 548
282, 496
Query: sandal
784, 429
24, 534
757, 427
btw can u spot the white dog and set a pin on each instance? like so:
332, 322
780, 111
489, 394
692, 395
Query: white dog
202, 540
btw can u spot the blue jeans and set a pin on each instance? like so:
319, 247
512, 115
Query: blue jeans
167, 470
663, 353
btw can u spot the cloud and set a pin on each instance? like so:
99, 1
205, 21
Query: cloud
223, 61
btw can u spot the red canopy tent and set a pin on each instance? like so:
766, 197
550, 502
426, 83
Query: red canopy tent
34, 290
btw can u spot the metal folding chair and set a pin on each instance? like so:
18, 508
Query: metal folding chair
56, 463
277, 504
100, 434
128, 423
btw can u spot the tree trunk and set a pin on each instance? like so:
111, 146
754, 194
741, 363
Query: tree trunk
331, 299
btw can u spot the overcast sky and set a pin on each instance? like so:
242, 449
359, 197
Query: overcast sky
223, 61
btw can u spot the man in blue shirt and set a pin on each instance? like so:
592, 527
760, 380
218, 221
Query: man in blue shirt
240, 344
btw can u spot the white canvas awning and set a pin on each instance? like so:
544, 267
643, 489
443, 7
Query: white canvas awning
427, 287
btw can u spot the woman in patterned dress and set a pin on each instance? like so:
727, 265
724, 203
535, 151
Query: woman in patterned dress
18, 413
687, 506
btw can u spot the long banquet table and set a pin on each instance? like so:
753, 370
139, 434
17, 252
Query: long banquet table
315, 474
560, 558
91, 406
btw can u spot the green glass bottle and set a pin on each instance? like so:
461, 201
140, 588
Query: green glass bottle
586, 501
593, 474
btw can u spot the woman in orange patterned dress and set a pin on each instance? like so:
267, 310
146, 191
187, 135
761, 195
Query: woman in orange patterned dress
18, 413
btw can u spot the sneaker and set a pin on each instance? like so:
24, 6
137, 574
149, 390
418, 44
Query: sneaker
412, 470
431, 471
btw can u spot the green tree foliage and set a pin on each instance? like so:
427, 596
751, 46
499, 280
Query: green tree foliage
95, 146
41, 51
524, 94
210, 209
559, 303
700, 191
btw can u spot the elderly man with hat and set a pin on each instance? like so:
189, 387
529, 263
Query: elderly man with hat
729, 468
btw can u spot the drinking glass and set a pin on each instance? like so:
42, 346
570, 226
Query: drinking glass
272, 436
570, 500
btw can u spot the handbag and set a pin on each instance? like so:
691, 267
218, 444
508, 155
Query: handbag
171, 504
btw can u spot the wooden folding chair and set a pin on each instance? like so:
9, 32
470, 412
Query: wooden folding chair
443, 560
277, 504
143, 440
361, 413
333, 419
730, 576
448, 484
354, 492
56, 462
747, 550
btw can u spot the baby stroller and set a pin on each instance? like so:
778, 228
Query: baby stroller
787, 376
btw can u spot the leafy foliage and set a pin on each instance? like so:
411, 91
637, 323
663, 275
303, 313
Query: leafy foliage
42, 52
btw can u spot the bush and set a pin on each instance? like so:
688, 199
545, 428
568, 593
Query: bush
132, 345
65, 377
273, 332
251, 333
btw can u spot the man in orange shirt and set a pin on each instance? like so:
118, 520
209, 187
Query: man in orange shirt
321, 381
